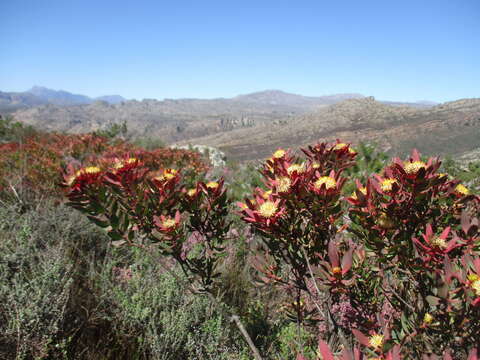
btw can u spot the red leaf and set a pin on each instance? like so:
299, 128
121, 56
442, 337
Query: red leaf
347, 261
447, 355
325, 351
333, 254
362, 339
473, 354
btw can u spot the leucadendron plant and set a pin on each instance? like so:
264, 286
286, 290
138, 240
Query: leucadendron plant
390, 270
395, 263
187, 220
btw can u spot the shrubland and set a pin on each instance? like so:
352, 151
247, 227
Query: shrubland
339, 252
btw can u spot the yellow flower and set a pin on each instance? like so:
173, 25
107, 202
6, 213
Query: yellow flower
298, 168
315, 165
212, 185
438, 242
268, 209
413, 167
280, 153
462, 190
387, 184
329, 182
169, 223
376, 341
476, 287
340, 146
91, 170
336, 270
473, 277
169, 174
192, 192
363, 190
119, 163
283, 184
427, 319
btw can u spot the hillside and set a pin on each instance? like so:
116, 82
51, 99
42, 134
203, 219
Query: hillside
250, 126
177, 120
449, 128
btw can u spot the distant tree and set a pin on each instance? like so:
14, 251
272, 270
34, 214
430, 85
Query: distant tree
113, 131
14, 131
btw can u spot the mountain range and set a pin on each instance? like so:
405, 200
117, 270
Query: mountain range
251, 126
39, 95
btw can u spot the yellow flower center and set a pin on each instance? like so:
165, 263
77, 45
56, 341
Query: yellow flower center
191, 192
363, 190
283, 184
280, 153
131, 161
438, 243
473, 277
315, 165
169, 174
212, 185
476, 287
462, 190
336, 270
169, 223
376, 341
91, 170
328, 181
88, 170
340, 146
413, 167
427, 319
387, 184
268, 209
298, 168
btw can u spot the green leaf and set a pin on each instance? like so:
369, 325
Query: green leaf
98, 222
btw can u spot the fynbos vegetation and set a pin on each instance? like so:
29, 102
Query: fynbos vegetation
339, 253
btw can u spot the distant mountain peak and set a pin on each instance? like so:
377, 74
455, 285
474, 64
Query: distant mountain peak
65, 98
279, 97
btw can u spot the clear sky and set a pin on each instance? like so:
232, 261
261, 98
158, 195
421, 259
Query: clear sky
391, 49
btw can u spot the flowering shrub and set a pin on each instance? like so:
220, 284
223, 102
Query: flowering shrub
393, 267
35, 162
398, 258
141, 207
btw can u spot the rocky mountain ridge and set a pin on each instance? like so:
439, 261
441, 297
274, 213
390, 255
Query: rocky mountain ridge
250, 126
39, 95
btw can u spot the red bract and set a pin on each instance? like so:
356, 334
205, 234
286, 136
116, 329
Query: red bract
434, 246
82, 178
326, 157
167, 224
263, 213
333, 272
324, 186
375, 341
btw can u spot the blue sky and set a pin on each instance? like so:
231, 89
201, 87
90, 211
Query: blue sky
394, 50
